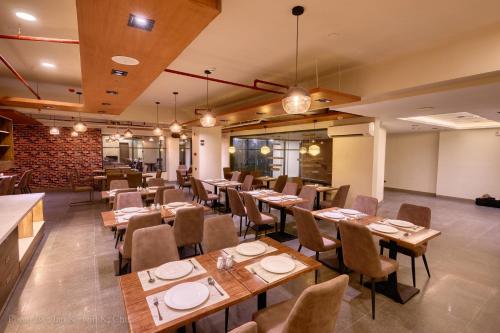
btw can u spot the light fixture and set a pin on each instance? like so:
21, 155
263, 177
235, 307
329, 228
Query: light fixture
232, 149
26, 16
54, 130
111, 92
157, 131
175, 127
119, 72
183, 136
302, 150
74, 134
264, 150
127, 61
297, 99
47, 64
79, 126
314, 149
208, 120
151, 139
116, 136
128, 133
140, 22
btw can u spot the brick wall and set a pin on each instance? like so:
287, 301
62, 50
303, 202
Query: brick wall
51, 156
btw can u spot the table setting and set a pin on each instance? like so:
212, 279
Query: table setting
342, 214
175, 206
273, 268
124, 215
170, 272
248, 250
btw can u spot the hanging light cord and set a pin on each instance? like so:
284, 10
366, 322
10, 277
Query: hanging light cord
157, 121
297, 51
175, 107
207, 90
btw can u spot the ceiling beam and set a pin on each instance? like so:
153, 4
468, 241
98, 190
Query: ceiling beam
40, 104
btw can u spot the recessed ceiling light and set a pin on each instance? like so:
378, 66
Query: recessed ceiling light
456, 120
111, 92
47, 64
123, 60
25, 16
323, 100
101, 111
48, 107
140, 22
426, 108
105, 103
119, 72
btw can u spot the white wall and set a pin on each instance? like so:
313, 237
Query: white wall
411, 161
225, 150
207, 157
469, 163
172, 160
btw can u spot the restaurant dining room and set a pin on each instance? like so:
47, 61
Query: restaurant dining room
249, 166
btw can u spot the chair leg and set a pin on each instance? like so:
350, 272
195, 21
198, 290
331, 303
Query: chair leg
373, 299
226, 320
426, 266
361, 279
195, 250
120, 260
413, 271
381, 250
300, 248
316, 276
193, 326
245, 235
201, 249
241, 223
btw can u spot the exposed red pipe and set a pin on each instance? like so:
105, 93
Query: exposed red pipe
223, 81
256, 81
19, 77
40, 39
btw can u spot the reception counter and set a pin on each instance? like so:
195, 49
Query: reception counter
21, 230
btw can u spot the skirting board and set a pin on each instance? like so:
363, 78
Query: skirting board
409, 191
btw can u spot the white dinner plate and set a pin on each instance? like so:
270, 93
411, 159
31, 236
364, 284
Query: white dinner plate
129, 210
387, 229
349, 211
274, 198
186, 296
401, 223
291, 197
173, 270
251, 249
334, 215
277, 264
176, 204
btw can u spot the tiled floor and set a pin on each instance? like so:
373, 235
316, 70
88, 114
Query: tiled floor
70, 285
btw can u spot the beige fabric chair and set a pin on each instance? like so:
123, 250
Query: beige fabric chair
418, 215
256, 217
158, 174
136, 222
205, 197
235, 176
226, 171
134, 179
360, 255
152, 247
155, 182
12, 185
188, 227
339, 198
195, 189
290, 189
30, 180
219, 233
237, 206
247, 183
171, 195
159, 195
314, 311
110, 176
250, 327
112, 200
128, 199
118, 184
311, 237
181, 181
365, 204
299, 182
308, 193
280, 183
80, 188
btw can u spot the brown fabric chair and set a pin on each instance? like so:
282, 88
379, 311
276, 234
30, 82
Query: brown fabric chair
188, 227
123, 190
181, 181
113, 176
12, 185
195, 189
155, 182
136, 222
360, 255
22, 186
339, 198
134, 179
219, 233
5, 185
77, 188
250, 327
299, 182
173, 195
290, 189
237, 206
311, 237
247, 183
314, 311
158, 174
152, 247
365, 204
418, 215
118, 184
159, 195
307, 193
30, 180
128, 199
204, 195
256, 217
235, 176
280, 183
227, 173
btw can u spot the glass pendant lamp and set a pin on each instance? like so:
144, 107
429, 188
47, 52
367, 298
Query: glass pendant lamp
208, 119
157, 131
79, 126
54, 130
175, 127
314, 149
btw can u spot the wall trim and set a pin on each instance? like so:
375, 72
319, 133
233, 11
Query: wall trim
393, 189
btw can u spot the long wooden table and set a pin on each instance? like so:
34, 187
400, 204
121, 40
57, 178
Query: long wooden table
222, 183
237, 282
267, 180
146, 192
321, 190
407, 237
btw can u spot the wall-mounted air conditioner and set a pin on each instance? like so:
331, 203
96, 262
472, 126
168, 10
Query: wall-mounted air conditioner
366, 129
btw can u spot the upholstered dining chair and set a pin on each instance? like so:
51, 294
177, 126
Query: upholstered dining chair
134, 179
311, 238
256, 217
5, 185
226, 171
155, 182
315, 310
173, 195
360, 254
290, 188
247, 183
153, 246
158, 199
219, 233
299, 182
128, 199
418, 215
195, 189
12, 185
250, 327
204, 196
118, 184
365, 204
188, 227
280, 183
80, 188
110, 176
158, 174
237, 206
22, 186
338, 200
308, 193
136, 222
235, 176
30, 180
182, 182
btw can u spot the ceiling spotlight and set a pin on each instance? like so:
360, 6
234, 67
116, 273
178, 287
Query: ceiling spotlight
111, 92
74, 134
140, 22
264, 150
324, 100
25, 16
80, 127
314, 150
105, 103
128, 133
119, 72
123, 60
47, 64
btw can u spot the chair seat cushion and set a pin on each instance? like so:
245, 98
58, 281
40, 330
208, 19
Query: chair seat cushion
412, 252
211, 196
268, 218
326, 204
330, 243
388, 266
273, 318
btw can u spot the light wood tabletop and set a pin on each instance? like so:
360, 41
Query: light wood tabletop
146, 192
282, 203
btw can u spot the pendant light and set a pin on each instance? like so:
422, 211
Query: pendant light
157, 131
208, 120
74, 134
297, 99
264, 150
116, 136
314, 149
128, 133
79, 126
54, 130
303, 150
183, 136
232, 149
175, 127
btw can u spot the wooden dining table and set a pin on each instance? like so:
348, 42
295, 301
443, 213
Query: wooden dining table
321, 189
407, 237
237, 282
267, 180
145, 192
222, 183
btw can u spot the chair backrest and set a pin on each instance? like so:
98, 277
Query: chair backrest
359, 250
235, 176
113, 176
194, 188
219, 233
5, 185
202, 191
226, 171
253, 212
137, 222
23, 181
235, 202
128, 199
280, 183
123, 190
155, 182
158, 174
117, 184
153, 246
299, 183
159, 195
180, 178
188, 226
317, 307
12, 185
290, 189
30, 177
173, 195
250, 327
365, 204
307, 193
134, 179
341, 196
247, 183
418, 215
307, 229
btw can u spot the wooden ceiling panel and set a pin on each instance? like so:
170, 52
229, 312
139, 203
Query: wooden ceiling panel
40, 104
104, 32
19, 118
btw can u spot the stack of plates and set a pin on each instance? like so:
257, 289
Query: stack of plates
277, 264
291, 197
349, 211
